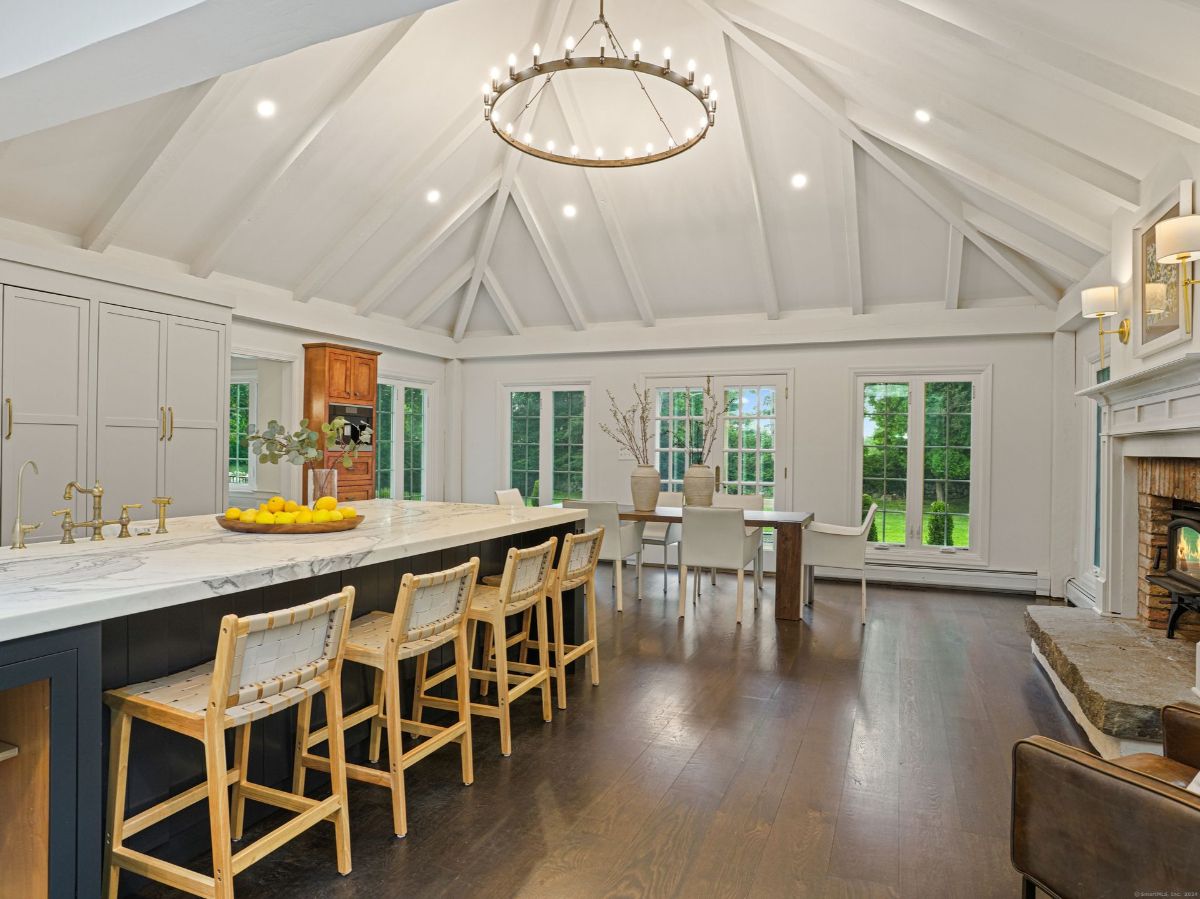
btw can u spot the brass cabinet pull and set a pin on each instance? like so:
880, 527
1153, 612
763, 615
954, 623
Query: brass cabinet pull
162, 434
171, 412
8, 407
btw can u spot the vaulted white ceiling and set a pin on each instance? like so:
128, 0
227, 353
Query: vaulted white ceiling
1004, 198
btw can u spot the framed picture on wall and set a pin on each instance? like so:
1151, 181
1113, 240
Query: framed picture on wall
1158, 290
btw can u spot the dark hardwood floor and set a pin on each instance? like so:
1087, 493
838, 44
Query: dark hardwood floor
779, 759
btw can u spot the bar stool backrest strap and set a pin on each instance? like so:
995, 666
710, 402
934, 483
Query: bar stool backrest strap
578, 560
432, 604
526, 572
263, 655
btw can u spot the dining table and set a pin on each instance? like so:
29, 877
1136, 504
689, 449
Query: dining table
791, 581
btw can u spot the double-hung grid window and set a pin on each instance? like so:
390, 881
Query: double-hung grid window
243, 402
546, 437
401, 441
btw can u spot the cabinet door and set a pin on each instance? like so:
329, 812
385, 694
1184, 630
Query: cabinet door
197, 410
44, 382
362, 388
131, 433
338, 372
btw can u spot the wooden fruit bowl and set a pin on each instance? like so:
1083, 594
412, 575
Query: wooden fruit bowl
324, 527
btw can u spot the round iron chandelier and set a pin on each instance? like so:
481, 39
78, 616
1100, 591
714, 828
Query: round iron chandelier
495, 90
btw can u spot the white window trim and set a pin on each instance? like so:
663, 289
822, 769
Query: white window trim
545, 431
433, 437
1093, 575
981, 463
251, 485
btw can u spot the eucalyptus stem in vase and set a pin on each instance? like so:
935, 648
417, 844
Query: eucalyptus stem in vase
302, 447
631, 432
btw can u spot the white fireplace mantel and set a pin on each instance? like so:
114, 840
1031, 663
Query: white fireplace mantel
1162, 398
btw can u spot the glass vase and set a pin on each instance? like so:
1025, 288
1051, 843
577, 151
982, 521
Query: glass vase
322, 482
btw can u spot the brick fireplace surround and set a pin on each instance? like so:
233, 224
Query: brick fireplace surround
1160, 482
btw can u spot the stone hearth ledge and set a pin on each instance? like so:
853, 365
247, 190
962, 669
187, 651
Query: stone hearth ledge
49, 586
1113, 675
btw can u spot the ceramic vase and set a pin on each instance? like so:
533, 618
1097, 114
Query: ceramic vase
699, 484
644, 483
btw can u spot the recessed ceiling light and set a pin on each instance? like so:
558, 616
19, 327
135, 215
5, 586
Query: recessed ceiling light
569, 211
266, 108
433, 196
923, 116
799, 180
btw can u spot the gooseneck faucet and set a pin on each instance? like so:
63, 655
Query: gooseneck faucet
20, 529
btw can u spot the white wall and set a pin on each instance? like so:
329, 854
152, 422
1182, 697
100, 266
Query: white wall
822, 409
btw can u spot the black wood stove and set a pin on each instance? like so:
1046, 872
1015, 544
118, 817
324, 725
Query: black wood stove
1181, 577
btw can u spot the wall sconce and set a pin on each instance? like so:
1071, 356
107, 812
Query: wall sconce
1178, 242
1101, 303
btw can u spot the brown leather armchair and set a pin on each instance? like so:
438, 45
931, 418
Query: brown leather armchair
1086, 828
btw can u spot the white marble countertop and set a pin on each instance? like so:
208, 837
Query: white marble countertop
50, 586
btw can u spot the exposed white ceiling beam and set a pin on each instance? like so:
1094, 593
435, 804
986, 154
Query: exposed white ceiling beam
441, 294
1016, 239
391, 200
763, 265
887, 68
399, 272
600, 195
175, 138
252, 202
954, 255
553, 36
938, 196
1030, 201
502, 303
1142, 96
849, 208
202, 40
550, 260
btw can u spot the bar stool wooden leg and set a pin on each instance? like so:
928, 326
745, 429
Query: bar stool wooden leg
395, 742
377, 721
462, 678
488, 650
418, 691
337, 774
118, 778
303, 726
218, 808
589, 597
560, 652
497, 628
544, 657
241, 761
526, 627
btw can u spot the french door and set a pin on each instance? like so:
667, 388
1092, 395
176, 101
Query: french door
752, 449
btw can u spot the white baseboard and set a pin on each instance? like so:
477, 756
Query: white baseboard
1079, 596
962, 578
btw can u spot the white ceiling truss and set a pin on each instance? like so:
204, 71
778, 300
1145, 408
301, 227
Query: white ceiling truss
381, 189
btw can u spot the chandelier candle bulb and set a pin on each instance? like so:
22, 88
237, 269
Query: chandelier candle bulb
574, 152
691, 70
512, 66
637, 52
667, 57
649, 149
537, 54
629, 152
550, 146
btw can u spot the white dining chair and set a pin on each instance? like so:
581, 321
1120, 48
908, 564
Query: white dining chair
747, 502
665, 534
622, 539
838, 546
510, 497
716, 538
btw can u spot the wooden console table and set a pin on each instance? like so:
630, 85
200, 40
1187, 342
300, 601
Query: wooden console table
789, 569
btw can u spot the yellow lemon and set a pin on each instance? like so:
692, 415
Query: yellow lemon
248, 516
321, 516
325, 503
275, 504
335, 515
285, 517
291, 506
304, 515
233, 513
262, 507
348, 512
264, 518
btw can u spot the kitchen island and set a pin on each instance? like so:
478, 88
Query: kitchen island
92, 616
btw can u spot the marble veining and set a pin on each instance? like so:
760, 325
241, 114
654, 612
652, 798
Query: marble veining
49, 586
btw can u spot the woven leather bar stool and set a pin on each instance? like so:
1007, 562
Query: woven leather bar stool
522, 587
265, 663
430, 612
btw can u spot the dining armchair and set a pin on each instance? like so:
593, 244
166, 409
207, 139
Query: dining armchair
665, 534
716, 538
622, 540
510, 497
838, 546
747, 502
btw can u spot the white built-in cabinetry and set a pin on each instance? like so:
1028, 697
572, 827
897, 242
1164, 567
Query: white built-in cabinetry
134, 396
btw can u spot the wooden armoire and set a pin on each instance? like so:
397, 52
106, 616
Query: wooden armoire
338, 378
